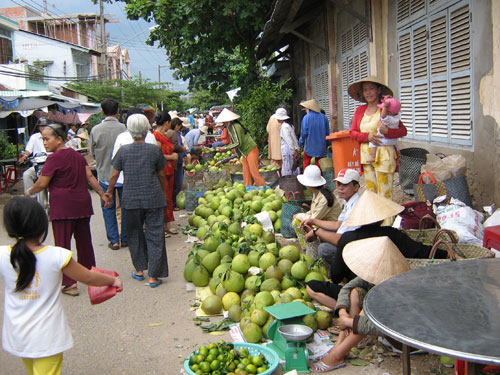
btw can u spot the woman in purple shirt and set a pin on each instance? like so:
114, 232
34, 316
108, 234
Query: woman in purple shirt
66, 174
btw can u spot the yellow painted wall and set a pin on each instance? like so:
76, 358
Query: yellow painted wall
489, 87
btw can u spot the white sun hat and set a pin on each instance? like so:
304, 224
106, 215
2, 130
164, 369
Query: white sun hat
226, 116
311, 177
281, 114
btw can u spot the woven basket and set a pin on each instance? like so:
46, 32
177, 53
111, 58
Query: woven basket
207, 156
416, 263
194, 179
212, 178
287, 212
271, 178
236, 177
192, 198
325, 163
329, 175
410, 161
233, 168
290, 183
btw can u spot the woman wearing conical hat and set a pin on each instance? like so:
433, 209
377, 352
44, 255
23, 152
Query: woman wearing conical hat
244, 145
373, 260
365, 124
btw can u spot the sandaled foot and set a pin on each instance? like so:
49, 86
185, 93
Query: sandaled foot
71, 290
137, 277
321, 366
154, 284
172, 231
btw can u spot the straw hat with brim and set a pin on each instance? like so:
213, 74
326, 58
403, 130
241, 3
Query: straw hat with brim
82, 136
226, 116
185, 121
355, 91
372, 208
374, 259
203, 129
173, 114
312, 105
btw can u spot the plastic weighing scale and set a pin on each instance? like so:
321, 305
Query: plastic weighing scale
293, 352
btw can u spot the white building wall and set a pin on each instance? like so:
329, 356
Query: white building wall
33, 47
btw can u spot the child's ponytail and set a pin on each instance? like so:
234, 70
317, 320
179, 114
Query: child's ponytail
24, 219
24, 261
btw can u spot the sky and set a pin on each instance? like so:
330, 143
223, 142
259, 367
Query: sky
129, 34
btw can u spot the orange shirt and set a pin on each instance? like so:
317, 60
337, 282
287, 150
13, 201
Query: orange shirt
224, 137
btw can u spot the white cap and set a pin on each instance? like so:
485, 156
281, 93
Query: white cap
347, 175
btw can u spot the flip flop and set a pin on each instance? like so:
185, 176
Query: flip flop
137, 277
114, 246
173, 231
167, 235
321, 366
71, 291
154, 285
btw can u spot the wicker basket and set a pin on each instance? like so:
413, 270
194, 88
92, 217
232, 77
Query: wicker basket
416, 263
410, 161
271, 178
213, 178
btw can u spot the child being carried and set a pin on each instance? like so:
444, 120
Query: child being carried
390, 118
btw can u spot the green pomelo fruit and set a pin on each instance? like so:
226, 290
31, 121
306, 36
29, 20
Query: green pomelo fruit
203, 253
210, 244
240, 263
256, 229
274, 272
277, 225
306, 297
226, 259
188, 270
286, 298
272, 215
211, 305
191, 219
314, 276
201, 232
230, 299
225, 249
213, 284
270, 284
259, 317
323, 318
247, 293
253, 257
235, 282
276, 295
290, 252
266, 326
220, 291
294, 292
244, 322
268, 237
263, 299
200, 276
287, 282
256, 206
234, 313
306, 258
252, 333
252, 283
310, 321
235, 228
276, 204
299, 270
211, 261
267, 260
273, 248
285, 265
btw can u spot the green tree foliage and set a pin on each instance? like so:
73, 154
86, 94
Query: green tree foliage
130, 93
259, 104
204, 99
211, 43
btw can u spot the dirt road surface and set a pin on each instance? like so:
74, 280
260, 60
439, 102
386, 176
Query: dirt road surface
144, 330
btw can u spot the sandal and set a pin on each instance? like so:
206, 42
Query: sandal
137, 277
71, 290
173, 231
167, 235
321, 366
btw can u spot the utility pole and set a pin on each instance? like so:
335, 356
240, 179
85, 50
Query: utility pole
104, 60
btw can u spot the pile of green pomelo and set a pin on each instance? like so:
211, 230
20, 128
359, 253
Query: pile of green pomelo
245, 267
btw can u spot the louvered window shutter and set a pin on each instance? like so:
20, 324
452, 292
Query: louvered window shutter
435, 74
354, 66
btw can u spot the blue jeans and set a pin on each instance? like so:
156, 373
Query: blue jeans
178, 180
110, 221
218, 144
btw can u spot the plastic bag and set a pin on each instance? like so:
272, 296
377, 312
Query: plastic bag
462, 219
99, 294
493, 219
445, 168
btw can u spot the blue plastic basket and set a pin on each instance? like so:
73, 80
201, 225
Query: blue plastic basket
270, 355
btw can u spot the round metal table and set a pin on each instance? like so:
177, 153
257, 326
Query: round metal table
451, 308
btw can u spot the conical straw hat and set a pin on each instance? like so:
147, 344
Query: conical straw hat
355, 90
374, 259
371, 208
312, 105
226, 115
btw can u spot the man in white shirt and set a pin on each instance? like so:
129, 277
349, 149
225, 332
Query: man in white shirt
329, 232
35, 146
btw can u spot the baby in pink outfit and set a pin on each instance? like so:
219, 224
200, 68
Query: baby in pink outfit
390, 118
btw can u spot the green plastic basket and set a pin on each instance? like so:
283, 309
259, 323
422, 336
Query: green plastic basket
271, 356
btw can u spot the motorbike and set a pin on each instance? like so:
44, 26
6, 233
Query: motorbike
37, 161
